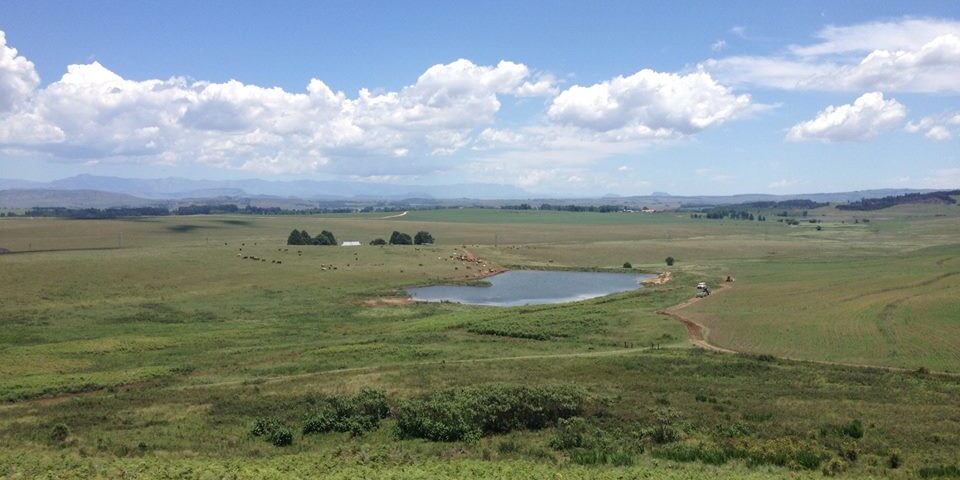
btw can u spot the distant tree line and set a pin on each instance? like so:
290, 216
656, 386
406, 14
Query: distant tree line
943, 198
93, 213
567, 208
783, 204
720, 213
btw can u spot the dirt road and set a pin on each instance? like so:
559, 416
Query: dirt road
697, 332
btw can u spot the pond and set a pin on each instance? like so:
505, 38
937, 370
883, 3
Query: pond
532, 287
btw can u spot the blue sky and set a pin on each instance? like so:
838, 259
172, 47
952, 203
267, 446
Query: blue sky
565, 98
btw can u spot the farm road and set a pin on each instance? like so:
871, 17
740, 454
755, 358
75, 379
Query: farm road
394, 216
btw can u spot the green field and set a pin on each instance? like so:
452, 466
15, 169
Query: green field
142, 348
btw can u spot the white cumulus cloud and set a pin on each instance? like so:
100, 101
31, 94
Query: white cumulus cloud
936, 127
18, 78
92, 113
913, 55
648, 104
866, 117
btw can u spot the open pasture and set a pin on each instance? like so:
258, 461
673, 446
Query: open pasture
158, 356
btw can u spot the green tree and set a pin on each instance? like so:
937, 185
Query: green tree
627, 265
397, 238
305, 238
295, 238
423, 238
325, 238
670, 261
378, 241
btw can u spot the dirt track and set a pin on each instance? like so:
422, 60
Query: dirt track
698, 333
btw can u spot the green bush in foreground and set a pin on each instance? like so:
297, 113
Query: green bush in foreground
357, 414
273, 431
469, 413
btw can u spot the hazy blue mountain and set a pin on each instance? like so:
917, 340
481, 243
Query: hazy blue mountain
29, 198
174, 188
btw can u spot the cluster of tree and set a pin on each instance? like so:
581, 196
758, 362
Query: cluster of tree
301, 237
943, 197
93, 213
567, 208
400, 238
720, 213
251, 210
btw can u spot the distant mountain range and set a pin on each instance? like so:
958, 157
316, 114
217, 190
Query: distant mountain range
91, 191
174, 188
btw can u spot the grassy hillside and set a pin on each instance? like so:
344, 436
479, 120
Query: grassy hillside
156, 359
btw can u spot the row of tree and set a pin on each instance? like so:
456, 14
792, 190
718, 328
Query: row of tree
400, 238
567, 208
301, 237
721, 213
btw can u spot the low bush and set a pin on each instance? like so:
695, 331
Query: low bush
835, 466
59, 433
357, 414
852, 429
571, 433
273, 431
895, 460
469, 413
663, 429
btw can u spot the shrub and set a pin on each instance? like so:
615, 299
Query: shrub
670, 261
468, 413
59, 433
852, 429
281, 436
273, 431
663, 430
835, 466
895, 460
378, 241
736, 429
357, 414
627, 265
571, 433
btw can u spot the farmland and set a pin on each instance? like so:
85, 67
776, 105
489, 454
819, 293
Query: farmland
149, 347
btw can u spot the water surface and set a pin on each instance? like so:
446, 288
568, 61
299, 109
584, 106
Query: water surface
532, 287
